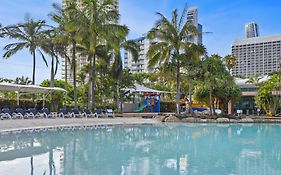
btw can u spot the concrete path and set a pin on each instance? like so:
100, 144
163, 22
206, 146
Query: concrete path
8, 125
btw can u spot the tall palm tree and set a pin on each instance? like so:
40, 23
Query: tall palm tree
98, 26
49, 46
28, 35
67, 19
117, 68
172, 39
193, 67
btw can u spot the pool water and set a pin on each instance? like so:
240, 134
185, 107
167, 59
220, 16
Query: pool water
145, 150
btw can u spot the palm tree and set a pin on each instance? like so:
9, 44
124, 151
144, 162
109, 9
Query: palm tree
49, 46
172, 40
67, 20
117, 68
194, 67
97, 26
230, 61
214, 73
29, 36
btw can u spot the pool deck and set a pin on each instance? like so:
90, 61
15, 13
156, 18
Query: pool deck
10, 125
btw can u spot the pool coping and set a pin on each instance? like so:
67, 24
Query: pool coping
15, 126
136, 121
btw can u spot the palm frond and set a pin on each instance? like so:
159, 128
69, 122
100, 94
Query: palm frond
13, 48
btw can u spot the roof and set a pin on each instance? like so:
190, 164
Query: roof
142, 89
256, 40
28, 88
243, 82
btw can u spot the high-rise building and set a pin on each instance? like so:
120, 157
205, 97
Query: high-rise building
139, 66
258, 56
81, 61
192, 16
251, 30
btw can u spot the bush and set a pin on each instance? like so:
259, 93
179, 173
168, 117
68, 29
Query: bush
12, 104
168, 106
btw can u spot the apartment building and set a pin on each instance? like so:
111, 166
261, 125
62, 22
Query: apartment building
257, 56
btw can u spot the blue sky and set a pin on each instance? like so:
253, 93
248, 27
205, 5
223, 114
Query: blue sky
225, 18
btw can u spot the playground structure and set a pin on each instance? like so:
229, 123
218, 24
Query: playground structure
151, 104
196, 106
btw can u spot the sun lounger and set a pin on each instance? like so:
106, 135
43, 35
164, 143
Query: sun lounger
33, 112
7, 113
109, 113
46, 113
99, 113
76, 113
21, 113
87, 113
64, 113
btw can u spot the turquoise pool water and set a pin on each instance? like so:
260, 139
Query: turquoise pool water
145, 150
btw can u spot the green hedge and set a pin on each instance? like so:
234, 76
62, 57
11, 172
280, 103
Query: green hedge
168, 106
12, 104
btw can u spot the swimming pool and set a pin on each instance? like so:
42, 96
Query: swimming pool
144, 150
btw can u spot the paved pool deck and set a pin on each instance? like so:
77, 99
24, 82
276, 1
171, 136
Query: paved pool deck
9, 125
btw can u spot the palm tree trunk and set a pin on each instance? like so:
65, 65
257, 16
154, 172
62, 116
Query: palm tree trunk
52, 81
94, 81
33, 70
65, 76
33, 73
117, 95
90, 94
74, 72
211, 100
178, 88
66, 72
190, 87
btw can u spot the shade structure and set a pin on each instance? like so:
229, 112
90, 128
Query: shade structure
28, 89
142, 89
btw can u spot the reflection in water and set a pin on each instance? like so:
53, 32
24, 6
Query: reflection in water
132, 150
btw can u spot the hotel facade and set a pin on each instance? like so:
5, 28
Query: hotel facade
257, 56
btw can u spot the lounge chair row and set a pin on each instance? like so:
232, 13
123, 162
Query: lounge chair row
33, 113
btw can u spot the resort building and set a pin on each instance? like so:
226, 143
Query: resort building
140, 66
81, 60
252, 30
257, 56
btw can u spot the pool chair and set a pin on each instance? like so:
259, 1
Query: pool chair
87, 113
76, 113
7, 113
46, 113
33, 113
21, 113
64, 113
99, 113
109, 113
